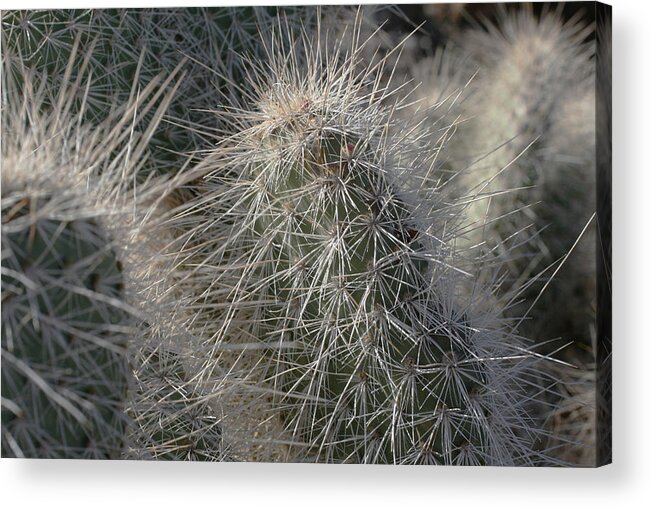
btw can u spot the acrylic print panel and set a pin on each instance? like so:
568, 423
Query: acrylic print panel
307, 234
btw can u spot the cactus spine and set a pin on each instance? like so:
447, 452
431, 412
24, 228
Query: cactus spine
172, 421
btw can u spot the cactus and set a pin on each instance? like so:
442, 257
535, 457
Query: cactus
320, 260
68, 217
302, 294
64, 369
64, 365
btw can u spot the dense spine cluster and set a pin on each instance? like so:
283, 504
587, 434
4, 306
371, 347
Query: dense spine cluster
172, 420
367, 352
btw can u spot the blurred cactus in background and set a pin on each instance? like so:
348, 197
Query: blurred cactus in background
295, 234
66, 320
553, 154
529, 154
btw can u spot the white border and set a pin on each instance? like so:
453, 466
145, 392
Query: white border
626, 482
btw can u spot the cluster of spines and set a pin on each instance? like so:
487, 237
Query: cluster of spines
367, 351
171, 419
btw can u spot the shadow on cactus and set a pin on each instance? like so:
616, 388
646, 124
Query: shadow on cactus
64, 367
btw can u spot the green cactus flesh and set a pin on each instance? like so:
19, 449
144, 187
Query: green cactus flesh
368, 371
64, 370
